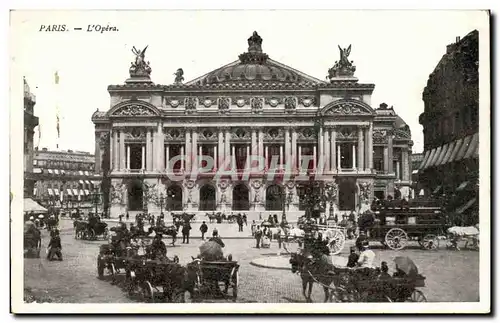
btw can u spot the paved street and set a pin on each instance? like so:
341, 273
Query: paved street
451, 275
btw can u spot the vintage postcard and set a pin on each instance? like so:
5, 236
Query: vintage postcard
250, 161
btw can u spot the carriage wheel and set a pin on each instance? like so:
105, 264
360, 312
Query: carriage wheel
417, 297
100, 268
396, 239
337, 241
147, 291
179, 296
429, 242
234, 282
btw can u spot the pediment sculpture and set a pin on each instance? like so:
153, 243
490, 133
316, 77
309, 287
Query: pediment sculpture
343, 67
139, 68
133, 110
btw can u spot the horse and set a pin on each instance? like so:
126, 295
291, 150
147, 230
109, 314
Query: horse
211, 217
80, 228
311, 272
169, 231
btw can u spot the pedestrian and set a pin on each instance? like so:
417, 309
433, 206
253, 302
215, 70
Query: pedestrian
203, 229
185, 232
127, 216
216, 238
352, 261
258, 236
54, 248
239, 220
245, 219
253, 227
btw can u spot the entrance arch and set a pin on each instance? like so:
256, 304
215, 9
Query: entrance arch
274, 198
135, 195
174, 198
207, 198
241, 198
347, 195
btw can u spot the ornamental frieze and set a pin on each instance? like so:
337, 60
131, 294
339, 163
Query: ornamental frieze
240, 101
307, 133
134, 110
190, 104
307, 101
207, 102
290, 104
346, 133
346, 108
240, 133
135, 133
207, 134
273, 133
174, 102
380, 136
273, 102
223, 105
103, 138
174, 134
402, 134
257, 105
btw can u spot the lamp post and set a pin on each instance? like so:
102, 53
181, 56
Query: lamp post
161, 200
96, 199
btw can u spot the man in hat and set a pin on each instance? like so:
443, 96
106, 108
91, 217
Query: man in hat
186, 228
352, 261
216, 238
54, 247
203, 230
367, 256
158, 247
258, 236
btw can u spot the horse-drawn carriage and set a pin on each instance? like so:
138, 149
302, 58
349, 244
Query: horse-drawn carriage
395, 223
205, 277
90, 231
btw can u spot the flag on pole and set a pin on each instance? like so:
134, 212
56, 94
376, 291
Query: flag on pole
56, 81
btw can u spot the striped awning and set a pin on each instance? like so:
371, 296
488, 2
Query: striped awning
436, 156
81, 173
80, 181
87, 192
50, 171
82, 192
69, 191
75, 192
440, 159
63, 172
455, 150
463, 149
87, 173
37, 170
467, 205
51, 192
424, 161
451, 147
88, 182
473, 146
56, 192
56, 171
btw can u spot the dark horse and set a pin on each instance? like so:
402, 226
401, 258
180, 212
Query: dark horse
311, 272
168, 231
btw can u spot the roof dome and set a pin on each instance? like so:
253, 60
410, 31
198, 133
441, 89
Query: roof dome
253, 65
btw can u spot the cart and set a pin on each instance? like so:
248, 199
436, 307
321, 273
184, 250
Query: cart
205, 277
395, 223
111, 260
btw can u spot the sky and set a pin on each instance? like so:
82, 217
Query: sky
395, 50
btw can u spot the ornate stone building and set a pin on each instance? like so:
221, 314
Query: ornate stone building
248, 136
30, 122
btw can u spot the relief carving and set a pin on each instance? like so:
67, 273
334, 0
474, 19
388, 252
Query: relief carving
133, 110
290, 104
307, 101
223, 105
241, 102
273, 101
257, 105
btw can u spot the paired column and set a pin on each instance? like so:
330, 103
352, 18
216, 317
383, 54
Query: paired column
406, 165
167, 157
360, 149
187, 157
294, 149
286, 160
319, 155
161, 149
326, 149
353, 156
149, 151
194, 150
227, 146
255, 146
116, 164
122, 150
370, 147
339, 158
390, 154
220, 150
299, 161
127, 164
333, 144
143, 157
112, 149
261, 143
386, 159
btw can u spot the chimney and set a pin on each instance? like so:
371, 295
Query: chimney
457, 39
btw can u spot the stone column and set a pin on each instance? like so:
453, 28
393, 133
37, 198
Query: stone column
97, 153
326, 149
128, 158
187, 153
183, 159
370, 147
266, 155
247, 165
255, 146
367, 149
233, 158
216, 158
353, 156
333, 144
122, 149
319, 151
398, 173
220, 145
149, 150
194, 150
286, 158
167, 161
156, 150
360, 149
339, 158
143, 157
261, 143
116, 149
315, 159
386, 160
227, 148
391, 154
280, 162
294, 149
161, 144
111, 150
406, 165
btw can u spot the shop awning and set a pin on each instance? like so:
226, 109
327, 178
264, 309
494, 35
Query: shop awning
37, 170
75, 192
87, 173
82, 192
451, 147
87, 192
81, 182
88, 182
437, 190
56, 171
424, 161
56, 192
81, 173
50, 191
431, 156
70, 193
50, 171
463, 149
440, 159
473, 146
32, 206
464, 207
462, 186
436, 156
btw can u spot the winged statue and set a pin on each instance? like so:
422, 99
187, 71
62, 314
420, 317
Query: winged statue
139, 55
344, 55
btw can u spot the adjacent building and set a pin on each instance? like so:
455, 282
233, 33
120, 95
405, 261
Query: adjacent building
450, 167
64, 179
248, 136
30, 122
